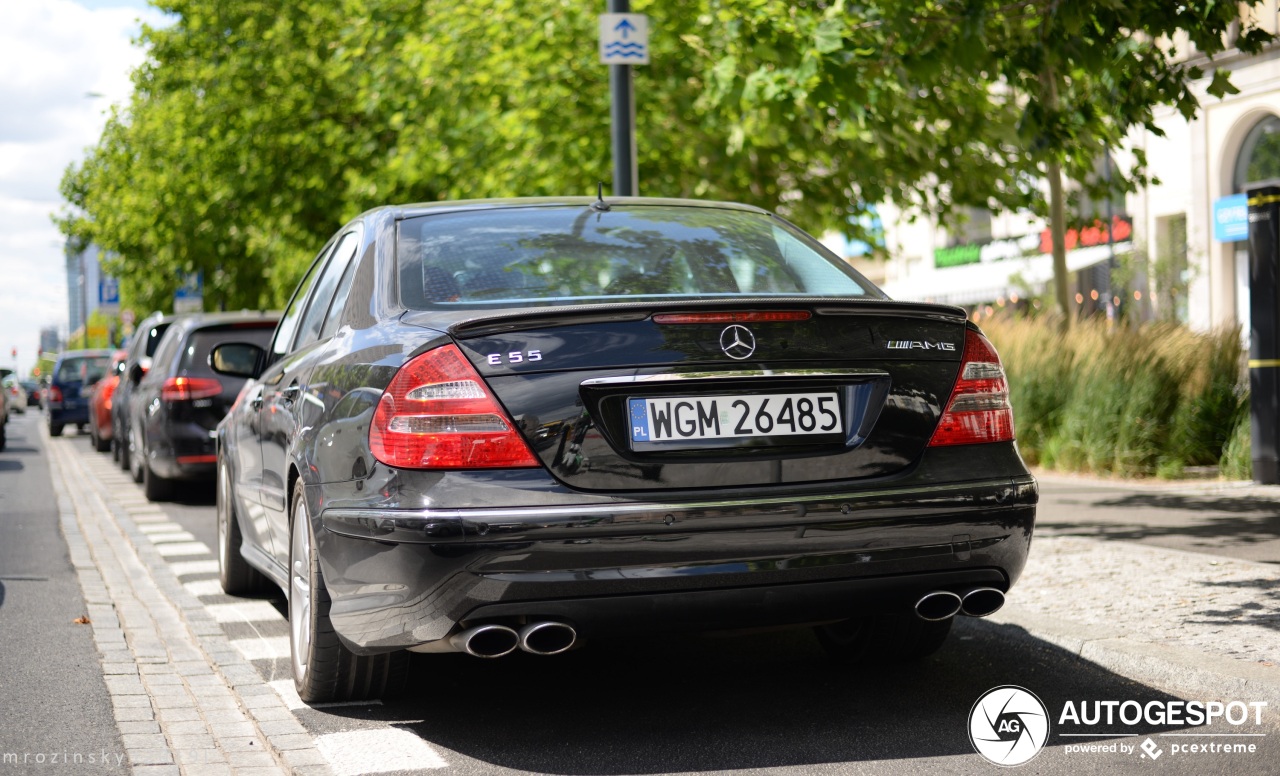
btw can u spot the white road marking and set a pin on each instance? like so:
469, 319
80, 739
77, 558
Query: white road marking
263, 647
377, 751
173, 537
204, 587
159, 528
247, 611
183, 548
190, 568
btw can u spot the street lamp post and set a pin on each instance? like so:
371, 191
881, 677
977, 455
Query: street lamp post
625, 171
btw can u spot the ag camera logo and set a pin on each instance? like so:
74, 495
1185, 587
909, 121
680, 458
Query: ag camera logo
1008, 725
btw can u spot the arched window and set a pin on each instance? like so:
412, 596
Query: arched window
1259, 158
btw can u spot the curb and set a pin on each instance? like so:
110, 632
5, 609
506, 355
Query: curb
1184, 672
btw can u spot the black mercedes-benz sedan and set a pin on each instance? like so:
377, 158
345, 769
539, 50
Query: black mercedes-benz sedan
513, 424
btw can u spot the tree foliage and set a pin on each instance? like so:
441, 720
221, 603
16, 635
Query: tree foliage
257, 127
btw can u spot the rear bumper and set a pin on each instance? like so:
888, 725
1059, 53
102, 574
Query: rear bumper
400, 578
183, 451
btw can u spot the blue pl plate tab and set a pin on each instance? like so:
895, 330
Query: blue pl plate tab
639, 420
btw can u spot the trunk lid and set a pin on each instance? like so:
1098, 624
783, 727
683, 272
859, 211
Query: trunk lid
681, 395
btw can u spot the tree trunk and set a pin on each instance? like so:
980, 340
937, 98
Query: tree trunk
1058, 233
1057, 206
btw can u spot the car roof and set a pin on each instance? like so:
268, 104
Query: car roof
192, 321
462, 205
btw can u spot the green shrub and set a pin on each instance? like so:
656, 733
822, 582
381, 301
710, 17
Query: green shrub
1237, 458
1145, 400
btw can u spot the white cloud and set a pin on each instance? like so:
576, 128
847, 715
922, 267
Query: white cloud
55, 57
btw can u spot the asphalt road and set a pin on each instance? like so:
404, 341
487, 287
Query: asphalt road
53, 701
1179, 516
752, 703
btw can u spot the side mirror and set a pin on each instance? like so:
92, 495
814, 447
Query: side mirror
237, 359
136, 372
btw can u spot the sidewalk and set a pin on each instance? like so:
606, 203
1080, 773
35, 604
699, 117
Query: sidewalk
1188, 622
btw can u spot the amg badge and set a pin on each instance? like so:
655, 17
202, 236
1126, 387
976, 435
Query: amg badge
917, 345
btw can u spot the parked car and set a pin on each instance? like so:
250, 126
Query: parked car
33, 392
142, 347
178, 403
100, 431
4, 418
66, 397
497, 425
14, 394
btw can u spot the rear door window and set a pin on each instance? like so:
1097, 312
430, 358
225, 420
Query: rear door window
325, 287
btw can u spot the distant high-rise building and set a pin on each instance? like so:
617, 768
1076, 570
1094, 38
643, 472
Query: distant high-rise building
49, 340
83, 274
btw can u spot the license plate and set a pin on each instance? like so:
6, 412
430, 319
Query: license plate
669, 419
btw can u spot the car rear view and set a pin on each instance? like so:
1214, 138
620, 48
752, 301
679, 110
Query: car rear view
71, 386
178, 405
545, 420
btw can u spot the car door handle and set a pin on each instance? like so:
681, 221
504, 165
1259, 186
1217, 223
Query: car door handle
290, 393
256, 401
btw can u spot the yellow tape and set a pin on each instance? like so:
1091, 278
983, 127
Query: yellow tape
1263, 363
1267, 200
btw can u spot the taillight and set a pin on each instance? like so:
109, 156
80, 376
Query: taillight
188, 388
109, 390
55, 393
437, 413
979, 409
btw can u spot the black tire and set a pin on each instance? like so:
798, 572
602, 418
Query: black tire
323, 669
122, 444
883, 638
55, 429
136, 457
234, 572
99, 444
115, 448
3, 436
155, 487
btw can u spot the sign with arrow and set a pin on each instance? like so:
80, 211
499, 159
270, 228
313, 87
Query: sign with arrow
624, 39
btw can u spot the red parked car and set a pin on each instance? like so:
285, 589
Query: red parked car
100, 403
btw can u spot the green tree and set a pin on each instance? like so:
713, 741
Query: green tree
257, 127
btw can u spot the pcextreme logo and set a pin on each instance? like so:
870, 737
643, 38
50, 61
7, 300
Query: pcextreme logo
1008, 725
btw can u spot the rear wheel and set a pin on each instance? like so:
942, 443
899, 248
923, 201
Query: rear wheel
55, 429
323, 669
99, 444
134, 458
155, 487
3, 436
235, 573
891, 638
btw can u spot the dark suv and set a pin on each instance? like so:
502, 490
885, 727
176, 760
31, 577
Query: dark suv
67, 395
175, 408
142, 347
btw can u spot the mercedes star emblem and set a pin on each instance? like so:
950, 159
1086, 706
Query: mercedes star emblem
737, 342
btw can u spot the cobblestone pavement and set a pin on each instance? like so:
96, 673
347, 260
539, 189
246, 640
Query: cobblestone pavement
185, 699
1185, 621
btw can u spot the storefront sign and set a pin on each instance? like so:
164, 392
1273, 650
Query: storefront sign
1231, 218
1032, 244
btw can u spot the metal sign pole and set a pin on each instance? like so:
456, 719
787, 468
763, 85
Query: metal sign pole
1264, 337
623, 113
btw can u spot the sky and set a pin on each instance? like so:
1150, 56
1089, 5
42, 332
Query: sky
63, 64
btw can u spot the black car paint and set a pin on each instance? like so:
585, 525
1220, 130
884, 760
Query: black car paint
408, 555
142, 346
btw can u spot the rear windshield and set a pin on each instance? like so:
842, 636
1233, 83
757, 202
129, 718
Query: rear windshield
82, 368
550, 255
195, 358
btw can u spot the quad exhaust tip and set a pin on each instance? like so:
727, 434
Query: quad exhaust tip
938, 605
547, 638
486, 641
982, 601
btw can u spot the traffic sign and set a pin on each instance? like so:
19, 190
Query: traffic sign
109, 293
624, 39
189, 297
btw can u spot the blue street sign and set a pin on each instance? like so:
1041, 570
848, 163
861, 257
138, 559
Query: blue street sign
108, 292
624, 39
1231, 218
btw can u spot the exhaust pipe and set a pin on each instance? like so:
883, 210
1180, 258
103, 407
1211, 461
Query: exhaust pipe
982, 601
938, 605
547, 638
486, 641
